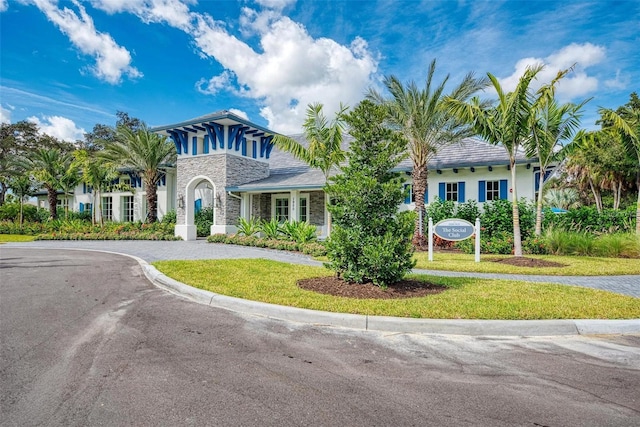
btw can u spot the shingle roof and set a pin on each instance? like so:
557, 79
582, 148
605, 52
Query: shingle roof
287, 172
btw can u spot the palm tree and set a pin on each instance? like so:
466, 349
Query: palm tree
626, 122
323, 149
553, 129
22, 186
48, 166
508, 124
96, 174
424, 120
145, 152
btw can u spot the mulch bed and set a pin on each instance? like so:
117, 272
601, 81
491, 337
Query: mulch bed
526, 262
332, 285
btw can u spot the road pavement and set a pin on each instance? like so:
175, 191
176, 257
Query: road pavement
86, 340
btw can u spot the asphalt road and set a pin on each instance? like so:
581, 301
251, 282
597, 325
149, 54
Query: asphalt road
86, 340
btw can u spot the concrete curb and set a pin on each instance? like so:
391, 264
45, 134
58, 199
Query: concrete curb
382, 323
394, 324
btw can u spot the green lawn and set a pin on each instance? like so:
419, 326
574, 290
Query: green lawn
574, 266
4, 238
275, 282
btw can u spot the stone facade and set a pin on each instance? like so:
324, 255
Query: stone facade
223, 170
316, 207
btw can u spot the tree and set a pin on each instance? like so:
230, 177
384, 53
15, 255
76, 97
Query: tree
371, 240
553, 129
146, 153
48, 166
508, 123
22, 186
98, 176
323, 149
104, 134
15, 140
422, 117
626, 123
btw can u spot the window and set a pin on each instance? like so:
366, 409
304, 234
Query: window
282, 209
452, 191
127, 203
304, 209
493, 190
107, 208
63, 203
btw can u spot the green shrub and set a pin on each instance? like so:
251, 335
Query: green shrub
203, 220
170, 217
248, 227
370, 239
440, 209
299, 231
271, 229
588, 219
623, 245
468, 211
497, 218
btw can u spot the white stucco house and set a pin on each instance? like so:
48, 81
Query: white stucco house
230, 164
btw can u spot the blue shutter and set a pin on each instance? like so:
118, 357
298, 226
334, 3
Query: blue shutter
194, 145
442, 192
503, 189
244, 146
426, 195
84, 188
198, 205
81, 207
205, 145
407, 197
255, 150
461, 195
482, 191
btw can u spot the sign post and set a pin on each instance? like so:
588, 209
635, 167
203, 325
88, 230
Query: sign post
455, 229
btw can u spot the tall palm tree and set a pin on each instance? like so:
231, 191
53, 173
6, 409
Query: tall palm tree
424, 120
508, 123
144, 152
553, 129
48, 166
626, 122
323, 149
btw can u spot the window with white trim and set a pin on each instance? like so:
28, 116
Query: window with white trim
127, 208
492, 190
303, 214
281, 212
107, 208
452, 191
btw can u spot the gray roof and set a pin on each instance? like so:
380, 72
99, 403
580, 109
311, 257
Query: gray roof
289, 173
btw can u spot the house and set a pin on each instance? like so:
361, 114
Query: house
230, 164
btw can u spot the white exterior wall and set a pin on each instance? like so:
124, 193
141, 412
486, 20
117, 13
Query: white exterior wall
524, 180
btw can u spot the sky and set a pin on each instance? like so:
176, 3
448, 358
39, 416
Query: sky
70, 64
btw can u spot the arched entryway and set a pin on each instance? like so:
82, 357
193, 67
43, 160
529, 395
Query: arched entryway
199, 189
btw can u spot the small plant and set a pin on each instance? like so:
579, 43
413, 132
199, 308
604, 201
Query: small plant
271, 229
299, 231
203, 220
440, 209
248, 227
170, 217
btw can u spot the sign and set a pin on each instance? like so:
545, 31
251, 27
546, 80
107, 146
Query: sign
454, 229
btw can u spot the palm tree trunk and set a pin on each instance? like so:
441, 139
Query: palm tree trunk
420, 176
539, 203
52, 196
517, 238
152, 200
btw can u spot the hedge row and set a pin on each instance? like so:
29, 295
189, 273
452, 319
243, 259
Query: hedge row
313, 249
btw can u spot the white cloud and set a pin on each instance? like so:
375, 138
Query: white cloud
618, 82
4, 5
239, 113
173, 12
112, 61
214, 84
275, 4
58, 127
575, 84
5, 114
293, 69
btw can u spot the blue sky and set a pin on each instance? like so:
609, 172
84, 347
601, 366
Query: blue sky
68, 65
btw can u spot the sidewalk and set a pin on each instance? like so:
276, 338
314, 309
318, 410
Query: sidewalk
149, 251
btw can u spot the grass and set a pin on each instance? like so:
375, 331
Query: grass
574, 265
5, 238
466, 298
